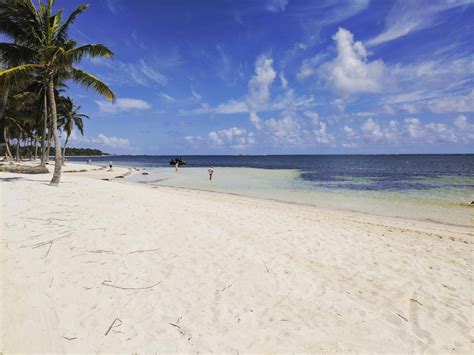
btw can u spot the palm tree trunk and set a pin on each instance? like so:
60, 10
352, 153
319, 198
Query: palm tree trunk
64, 150
30, 149
36, 147
45, 125
8, 153
17, 158
3, 104
50, 133
28, 146
3, 101
57, 142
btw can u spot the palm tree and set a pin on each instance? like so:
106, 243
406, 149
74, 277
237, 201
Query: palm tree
39, 87
56, 55
17, 28
18, 119
12, 55
69, 117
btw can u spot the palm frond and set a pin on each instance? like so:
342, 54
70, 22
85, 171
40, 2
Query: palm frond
79, 124
62, 33
14, 54
89, 81
26, 97
89, 50
55, 24
19, 20
18, 74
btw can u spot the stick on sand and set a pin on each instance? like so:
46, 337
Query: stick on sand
112, 325
107, 283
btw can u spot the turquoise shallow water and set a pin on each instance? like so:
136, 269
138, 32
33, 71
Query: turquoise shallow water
445, 199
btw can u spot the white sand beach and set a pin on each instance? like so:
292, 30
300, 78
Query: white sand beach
111, 266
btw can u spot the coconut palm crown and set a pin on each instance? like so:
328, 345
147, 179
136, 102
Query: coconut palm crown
69, 117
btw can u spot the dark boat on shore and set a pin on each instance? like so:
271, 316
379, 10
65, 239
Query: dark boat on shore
177, 160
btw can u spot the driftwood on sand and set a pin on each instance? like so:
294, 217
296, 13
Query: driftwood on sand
22, 169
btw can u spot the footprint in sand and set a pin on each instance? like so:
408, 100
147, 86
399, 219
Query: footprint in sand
415, 323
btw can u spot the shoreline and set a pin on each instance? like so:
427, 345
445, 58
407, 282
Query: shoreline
419, 206
195, 271
126, 171
301, 204
348, 212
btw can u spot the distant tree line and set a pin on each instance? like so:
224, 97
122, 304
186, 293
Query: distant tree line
28, 152
84, 152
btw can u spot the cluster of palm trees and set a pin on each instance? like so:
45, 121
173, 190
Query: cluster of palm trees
23, 124
36, 63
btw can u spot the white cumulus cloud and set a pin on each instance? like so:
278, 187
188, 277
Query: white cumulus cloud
409, 131
113, 142
237, 138
193, 140
466, 129
294, 130
259, 85
458, 103
373, 131
101, 140
351, 72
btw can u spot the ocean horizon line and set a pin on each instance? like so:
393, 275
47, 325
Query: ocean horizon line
265, 155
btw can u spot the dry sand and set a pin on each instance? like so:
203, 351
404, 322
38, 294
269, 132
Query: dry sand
176, 270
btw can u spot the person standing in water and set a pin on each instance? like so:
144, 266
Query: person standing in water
210, 171
176, 166
110, 165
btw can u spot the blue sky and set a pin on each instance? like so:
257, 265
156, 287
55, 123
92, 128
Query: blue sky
280, 76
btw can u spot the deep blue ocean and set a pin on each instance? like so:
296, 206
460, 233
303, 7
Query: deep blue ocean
353, 172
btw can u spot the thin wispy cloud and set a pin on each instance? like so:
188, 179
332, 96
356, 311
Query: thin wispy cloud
167, 97
318, 14
409, 16
224, 68
196, 95
138, 73
122, 104
276, 5
152, 74
114, 6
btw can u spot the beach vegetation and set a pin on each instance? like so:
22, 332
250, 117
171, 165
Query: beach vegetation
27, 151
40, 54
70, 117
